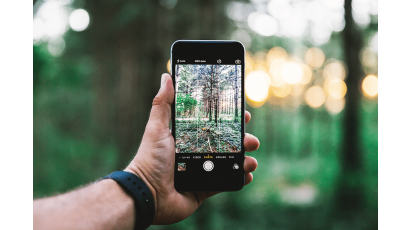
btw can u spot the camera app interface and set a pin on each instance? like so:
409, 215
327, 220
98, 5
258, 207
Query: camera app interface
208, 108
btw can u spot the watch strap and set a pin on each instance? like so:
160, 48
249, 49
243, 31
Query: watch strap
144, 202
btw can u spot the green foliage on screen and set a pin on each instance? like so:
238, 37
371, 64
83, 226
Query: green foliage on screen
185, 104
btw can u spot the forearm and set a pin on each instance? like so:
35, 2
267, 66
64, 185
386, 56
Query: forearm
103, 205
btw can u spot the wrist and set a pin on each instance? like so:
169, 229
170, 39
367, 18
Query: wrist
124, 203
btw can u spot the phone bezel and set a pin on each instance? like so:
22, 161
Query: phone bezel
210, 49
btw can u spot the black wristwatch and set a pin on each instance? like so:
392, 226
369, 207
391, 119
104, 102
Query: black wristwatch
144, 202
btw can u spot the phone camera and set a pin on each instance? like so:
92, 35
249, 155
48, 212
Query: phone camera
237, 61
219, 61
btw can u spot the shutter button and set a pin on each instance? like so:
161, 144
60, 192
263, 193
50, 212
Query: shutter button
208, 166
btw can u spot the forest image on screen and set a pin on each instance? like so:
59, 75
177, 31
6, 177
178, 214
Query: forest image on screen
208, 108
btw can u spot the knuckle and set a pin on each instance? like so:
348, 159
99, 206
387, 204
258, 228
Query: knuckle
157, 100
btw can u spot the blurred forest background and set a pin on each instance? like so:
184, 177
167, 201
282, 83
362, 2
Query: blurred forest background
310, 84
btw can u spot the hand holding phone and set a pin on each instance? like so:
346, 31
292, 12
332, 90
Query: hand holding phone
154, 161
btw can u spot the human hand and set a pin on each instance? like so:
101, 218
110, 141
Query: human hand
155, 159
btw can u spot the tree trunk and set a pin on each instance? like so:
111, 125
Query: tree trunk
350, 191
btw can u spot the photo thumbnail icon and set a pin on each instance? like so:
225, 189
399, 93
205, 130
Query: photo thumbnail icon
181, 167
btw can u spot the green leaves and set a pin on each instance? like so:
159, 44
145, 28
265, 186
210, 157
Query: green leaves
185, 103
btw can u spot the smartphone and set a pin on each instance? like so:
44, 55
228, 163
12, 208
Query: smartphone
208, 115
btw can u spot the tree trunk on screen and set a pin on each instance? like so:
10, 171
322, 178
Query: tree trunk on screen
210, 95
224, 103
176, 83
216, 96
236, 94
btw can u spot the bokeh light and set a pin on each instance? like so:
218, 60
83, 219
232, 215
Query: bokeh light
369, 58
248, 63
302, 195
315, 11
334, 4
257, 86
50, 21
335, 87
275, 72
263, 24
169, 4
297, 90
56, 47
260, 61
79, 20
361, 10
315, 96
315, 57
292, 73
282, 91
374, 43
276, 80
169, 66
334, 106
38, 29
320, 34
334, 69
242, 36
279, 8
307, 74
295, 24
370, 86
318, 78
238, 11
338, 20
276, 53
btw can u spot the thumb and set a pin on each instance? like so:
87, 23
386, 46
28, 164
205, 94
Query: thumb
161, 105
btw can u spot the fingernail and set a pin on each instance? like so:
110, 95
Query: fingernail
163, 80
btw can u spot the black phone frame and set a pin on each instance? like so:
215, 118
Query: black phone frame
199, 179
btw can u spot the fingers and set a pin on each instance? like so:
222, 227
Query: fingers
247, 116
166, 92
250, 142
250, 164
248, 178
161, 105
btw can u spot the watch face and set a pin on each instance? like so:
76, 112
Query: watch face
208, 115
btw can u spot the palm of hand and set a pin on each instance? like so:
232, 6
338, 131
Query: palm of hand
155, 163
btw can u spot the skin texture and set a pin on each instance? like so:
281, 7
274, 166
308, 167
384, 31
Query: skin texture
154, 162
105, 205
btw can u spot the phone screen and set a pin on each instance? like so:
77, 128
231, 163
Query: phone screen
208, 108
208, 115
